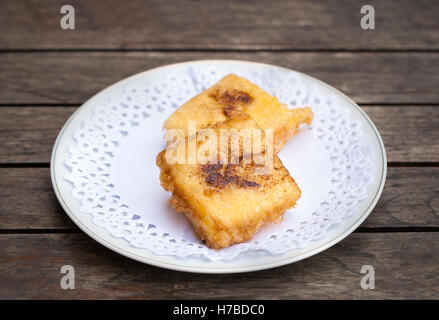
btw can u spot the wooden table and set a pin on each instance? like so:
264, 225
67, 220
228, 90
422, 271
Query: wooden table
47, 72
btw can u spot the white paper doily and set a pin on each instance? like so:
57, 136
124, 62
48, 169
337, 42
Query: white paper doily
114, 176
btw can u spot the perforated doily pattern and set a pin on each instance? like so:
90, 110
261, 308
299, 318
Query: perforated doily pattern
90, 159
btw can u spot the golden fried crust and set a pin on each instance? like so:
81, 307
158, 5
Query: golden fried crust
233, 95
228, 203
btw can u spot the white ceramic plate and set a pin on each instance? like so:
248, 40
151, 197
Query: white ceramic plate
243, 262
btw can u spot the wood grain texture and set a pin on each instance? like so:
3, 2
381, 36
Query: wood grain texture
27, 201
405, 267
409, 133
28, 133
161, 24
66, 77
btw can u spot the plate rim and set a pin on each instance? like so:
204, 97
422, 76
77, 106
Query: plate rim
212, 270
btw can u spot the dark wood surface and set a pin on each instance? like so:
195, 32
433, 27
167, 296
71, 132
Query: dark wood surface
405, 267
163, 24
73, 77
392, 72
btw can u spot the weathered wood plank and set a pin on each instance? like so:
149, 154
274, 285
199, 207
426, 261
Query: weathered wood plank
66, 77
27, 201
410, 198
28, 133
409, 133
405, 267
155, 24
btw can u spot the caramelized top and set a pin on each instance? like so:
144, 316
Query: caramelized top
219, 176
232, 100
235, 97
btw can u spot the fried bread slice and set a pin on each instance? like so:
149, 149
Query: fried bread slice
233, 94
227, 203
